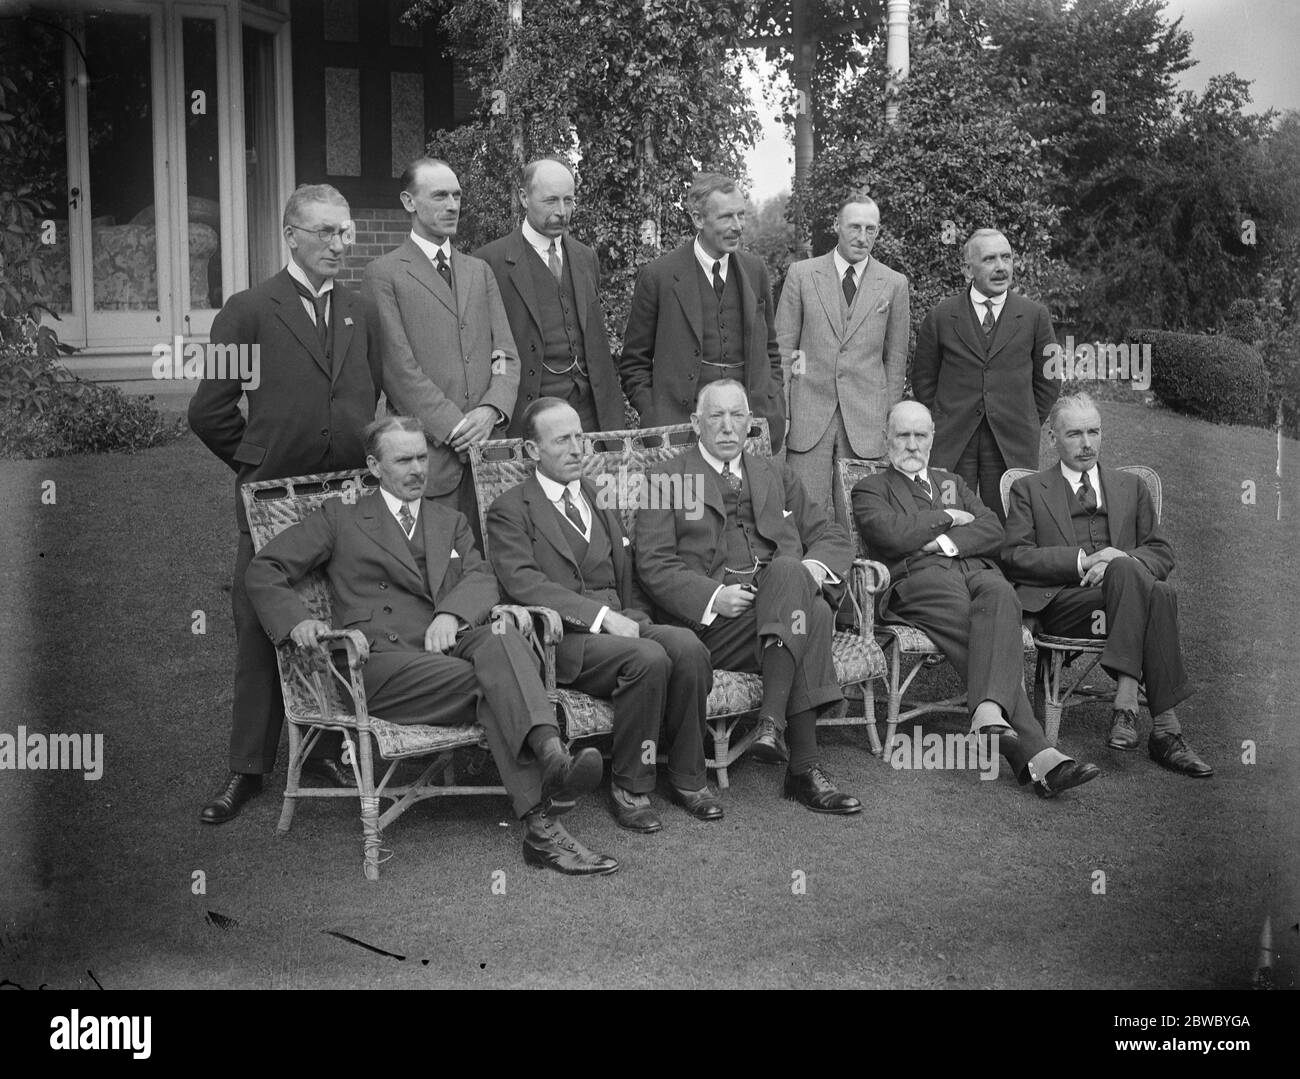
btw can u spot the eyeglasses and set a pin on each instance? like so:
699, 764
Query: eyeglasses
347, 233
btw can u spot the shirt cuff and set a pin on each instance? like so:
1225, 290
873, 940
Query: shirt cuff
600, 618
709, 613
1078, 562
946, 545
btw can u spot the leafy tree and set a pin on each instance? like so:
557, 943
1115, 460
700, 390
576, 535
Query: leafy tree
638, 94
773, 237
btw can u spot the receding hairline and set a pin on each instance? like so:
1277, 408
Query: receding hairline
539, 408
891, 422
1080, 402
858, 199
411, 174
373, 433
968, 247
720, 384
533, 167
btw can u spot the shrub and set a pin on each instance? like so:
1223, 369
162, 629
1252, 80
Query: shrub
1213, 378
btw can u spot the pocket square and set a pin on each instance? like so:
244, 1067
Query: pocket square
455, 553
627, 542
787, 513
347, 321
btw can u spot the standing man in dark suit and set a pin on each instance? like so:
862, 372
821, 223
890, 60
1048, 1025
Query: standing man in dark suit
556, 542
980, 369
755, 567
449, 357
701, 313
940, 544
313, 343
550, 287
843, 325
1082, 542
404, 571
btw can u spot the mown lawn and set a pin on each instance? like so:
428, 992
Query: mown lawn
945, 881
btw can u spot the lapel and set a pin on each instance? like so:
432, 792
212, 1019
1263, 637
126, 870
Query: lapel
870, 287
968, 329
292, 313
900, 487
613, 529
521, 276
420, 268
584, 285
1119, 504
462, 275
756, 479
1007, 327
374, 521
693, 463
343, 314
438, 542
683, 267
1056, 495
547, 520
826, 284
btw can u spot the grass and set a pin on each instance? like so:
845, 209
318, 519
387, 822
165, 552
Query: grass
944, 881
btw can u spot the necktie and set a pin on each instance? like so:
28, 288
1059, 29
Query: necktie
406, 520
444, 270
553, 261
925, 488
571, 512
718, 283
318, 306
731, 479
989, 321
850, 286
1087, 496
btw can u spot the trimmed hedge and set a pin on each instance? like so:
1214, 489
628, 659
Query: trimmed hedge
1219, 379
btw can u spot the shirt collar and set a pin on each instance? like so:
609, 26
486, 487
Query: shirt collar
554, 490
299, 275
431, 249
706, 260
715, 463
979, 299
542, 244
395, 504
842, 264
1075, 478
923, 474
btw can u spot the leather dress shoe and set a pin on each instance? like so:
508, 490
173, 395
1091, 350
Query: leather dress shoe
548, 846
701, 804
768, 747
1065, 775
814, 790
1123, 729
627, 814
226, 805
332, 771
567, 777
1170, 751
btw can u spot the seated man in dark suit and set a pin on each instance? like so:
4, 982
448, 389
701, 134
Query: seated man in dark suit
746, 560
553, 543
940, 544
1087, 554
403, 569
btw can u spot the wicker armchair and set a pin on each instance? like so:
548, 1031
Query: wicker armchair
1053, 693
622, 458
319, 697
900, 641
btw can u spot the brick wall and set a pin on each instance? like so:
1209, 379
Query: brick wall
378, 232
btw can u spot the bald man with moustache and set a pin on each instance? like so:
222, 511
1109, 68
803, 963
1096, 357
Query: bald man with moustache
940, 544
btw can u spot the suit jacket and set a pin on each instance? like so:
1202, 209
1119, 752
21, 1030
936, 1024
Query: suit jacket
680, 550
507, 258
954, 379
894, 528
306, 414
660, 366
858, 365
437, 348
536, 565
374, 581
1040, 553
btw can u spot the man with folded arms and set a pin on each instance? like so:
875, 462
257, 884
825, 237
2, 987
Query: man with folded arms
940, 544
1088, 556
404, 571
554, 543
752, 565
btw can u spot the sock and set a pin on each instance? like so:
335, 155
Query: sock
544, 741
1166, 723
778, 677
802, 736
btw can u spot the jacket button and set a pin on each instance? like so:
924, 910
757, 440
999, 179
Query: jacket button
383, 584
393, 637
388, 610
690, 378
531, 371
532, 348
325, 432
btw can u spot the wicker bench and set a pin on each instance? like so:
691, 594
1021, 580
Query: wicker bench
318, 697
622, 458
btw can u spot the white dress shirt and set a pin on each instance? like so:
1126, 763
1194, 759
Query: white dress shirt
977, 301
1075, 480
842, 264
706, 261
542, 244
326, 289
554, 492
431, 249
395, 505
944, 541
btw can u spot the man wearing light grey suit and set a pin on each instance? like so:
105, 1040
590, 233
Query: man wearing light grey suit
842, 324
449, 358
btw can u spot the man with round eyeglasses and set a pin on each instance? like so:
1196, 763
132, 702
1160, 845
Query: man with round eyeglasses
311, 347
